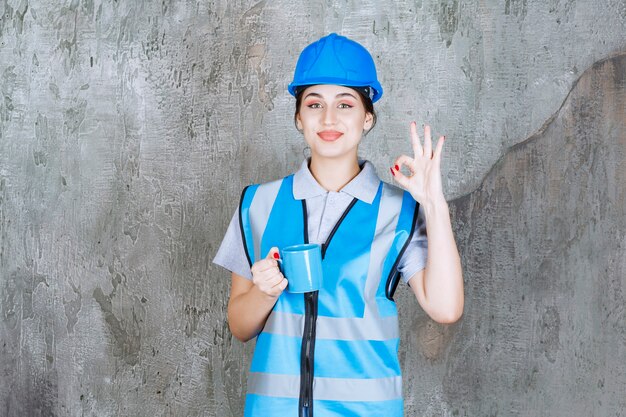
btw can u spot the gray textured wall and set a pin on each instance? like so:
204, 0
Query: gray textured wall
128, 128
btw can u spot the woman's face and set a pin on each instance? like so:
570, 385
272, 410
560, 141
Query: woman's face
332, 119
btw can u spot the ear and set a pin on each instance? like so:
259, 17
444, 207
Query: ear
298, 123
369, 120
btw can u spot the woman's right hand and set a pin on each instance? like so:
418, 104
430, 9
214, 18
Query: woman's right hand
267, 277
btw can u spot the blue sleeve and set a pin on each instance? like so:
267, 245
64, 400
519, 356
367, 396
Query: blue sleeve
230, 254
414, 258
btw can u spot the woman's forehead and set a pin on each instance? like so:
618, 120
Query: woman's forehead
329, 90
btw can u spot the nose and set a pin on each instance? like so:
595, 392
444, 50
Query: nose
329, 117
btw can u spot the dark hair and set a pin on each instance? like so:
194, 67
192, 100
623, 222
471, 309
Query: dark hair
367, 103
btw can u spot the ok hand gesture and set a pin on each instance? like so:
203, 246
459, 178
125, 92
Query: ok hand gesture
424, 182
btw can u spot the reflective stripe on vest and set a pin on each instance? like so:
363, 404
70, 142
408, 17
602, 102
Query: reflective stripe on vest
357, 328
330, 389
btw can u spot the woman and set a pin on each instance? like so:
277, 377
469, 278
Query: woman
334, 352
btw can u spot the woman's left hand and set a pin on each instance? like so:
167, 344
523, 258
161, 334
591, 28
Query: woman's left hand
424, 183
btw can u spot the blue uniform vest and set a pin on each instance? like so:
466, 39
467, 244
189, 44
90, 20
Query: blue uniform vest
331, 352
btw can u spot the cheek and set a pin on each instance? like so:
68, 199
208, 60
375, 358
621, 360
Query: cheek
358, 122
307, 122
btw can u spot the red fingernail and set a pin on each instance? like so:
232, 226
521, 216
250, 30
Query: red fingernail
276, 255
397, 168
392, 173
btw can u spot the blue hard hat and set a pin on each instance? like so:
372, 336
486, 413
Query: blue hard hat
337, 60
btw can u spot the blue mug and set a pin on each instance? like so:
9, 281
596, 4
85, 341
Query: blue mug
302, 266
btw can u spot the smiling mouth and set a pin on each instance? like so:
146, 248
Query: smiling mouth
329, 135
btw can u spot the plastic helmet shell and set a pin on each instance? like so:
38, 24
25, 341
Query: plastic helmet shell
337, 60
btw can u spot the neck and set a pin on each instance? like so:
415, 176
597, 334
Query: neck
332, 174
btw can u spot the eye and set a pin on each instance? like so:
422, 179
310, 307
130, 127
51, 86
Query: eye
314, 105
345, 106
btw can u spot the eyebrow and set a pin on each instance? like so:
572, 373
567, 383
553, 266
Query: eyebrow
337, 96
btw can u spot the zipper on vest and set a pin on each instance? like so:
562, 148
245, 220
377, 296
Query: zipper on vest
307, 353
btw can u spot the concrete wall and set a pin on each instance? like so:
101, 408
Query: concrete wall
128, 128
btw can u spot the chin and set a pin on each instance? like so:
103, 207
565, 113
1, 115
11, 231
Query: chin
332, 150
331, 155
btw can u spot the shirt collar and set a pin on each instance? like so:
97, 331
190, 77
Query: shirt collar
364, 186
